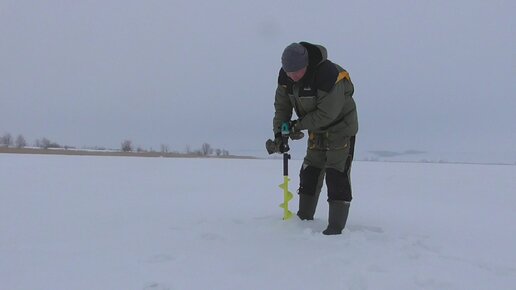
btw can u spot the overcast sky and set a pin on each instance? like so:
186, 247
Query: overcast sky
428, 75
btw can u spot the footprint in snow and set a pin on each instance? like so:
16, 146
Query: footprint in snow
212, 237
483, 265
420, 244
359, 228
156, 286
159, 259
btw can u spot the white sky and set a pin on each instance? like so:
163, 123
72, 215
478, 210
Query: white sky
429, 75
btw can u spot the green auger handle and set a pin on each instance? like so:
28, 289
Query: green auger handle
285, 128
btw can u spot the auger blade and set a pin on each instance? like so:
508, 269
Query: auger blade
287, 196
287, 215
284, 185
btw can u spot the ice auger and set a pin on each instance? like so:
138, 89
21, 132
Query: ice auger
287, 195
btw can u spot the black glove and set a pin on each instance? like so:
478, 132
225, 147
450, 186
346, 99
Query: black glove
295, 133
276, 146
292, 125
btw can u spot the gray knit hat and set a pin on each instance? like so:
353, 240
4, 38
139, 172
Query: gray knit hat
294, 57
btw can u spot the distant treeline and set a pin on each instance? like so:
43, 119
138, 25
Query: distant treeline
7, 140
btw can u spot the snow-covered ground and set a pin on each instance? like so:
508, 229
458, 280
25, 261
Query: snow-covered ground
70, 222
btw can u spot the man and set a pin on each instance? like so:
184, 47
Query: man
321, 94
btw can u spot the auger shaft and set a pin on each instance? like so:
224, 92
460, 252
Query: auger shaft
287, 195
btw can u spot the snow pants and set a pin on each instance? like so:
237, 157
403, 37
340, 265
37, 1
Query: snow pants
332, 164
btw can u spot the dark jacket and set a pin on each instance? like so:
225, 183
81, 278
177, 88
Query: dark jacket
322, 99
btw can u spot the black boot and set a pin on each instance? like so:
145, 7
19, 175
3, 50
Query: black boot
337, 217
307, 205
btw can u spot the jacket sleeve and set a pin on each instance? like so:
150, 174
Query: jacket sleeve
330, 106
283, 108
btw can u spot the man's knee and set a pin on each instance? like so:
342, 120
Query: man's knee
339, 187
308, 179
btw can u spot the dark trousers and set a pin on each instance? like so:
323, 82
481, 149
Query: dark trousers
335, 165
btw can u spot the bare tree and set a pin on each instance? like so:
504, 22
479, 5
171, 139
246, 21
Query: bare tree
164, 148
20, 141
127, 146
6, 140
218, 152
206, 149
46, 143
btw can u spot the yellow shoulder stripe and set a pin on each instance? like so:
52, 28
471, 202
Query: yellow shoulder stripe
343, 75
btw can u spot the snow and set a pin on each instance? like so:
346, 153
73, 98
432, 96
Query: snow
75, 222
